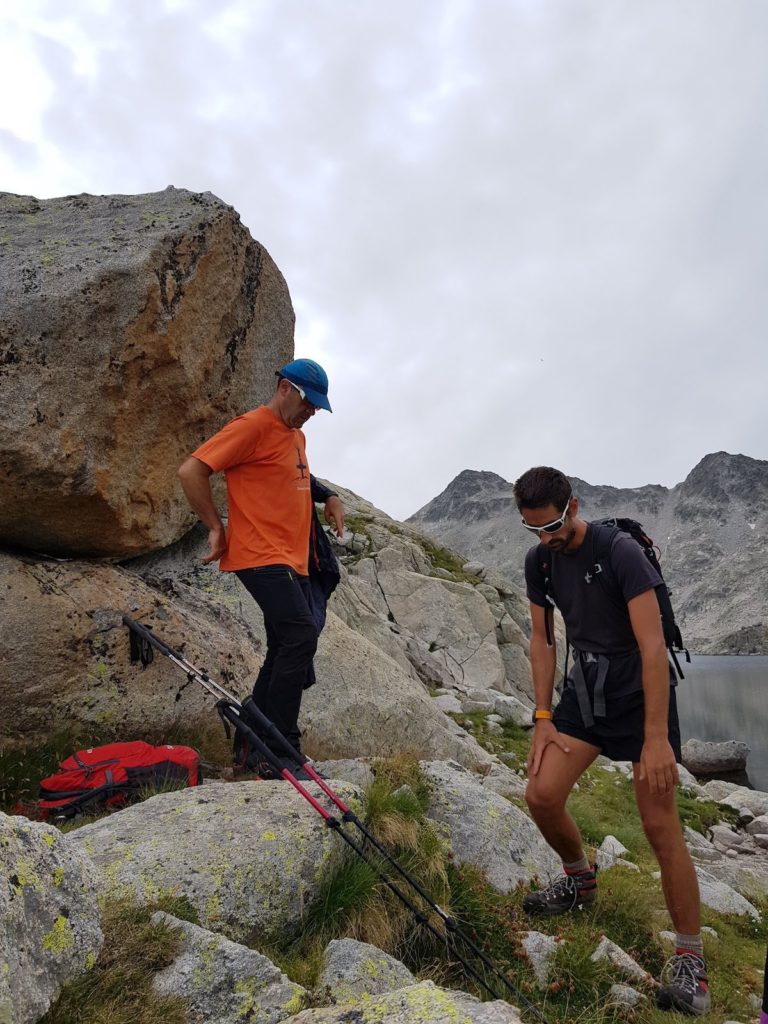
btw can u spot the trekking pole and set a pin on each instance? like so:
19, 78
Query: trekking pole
231, 709
335, 824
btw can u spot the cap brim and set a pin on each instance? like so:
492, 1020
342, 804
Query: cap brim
318, 400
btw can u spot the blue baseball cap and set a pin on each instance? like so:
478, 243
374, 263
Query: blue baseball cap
311, 378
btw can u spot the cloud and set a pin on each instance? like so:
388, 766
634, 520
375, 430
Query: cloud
514, 232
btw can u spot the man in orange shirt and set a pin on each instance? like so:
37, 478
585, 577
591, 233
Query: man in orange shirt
262, 455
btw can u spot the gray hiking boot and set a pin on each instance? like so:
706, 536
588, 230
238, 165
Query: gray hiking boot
566, 893
684, 985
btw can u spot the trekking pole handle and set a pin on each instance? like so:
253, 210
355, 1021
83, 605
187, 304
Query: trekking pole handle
178, 659
146, 632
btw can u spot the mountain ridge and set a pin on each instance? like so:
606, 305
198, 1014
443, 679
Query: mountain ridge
711, 530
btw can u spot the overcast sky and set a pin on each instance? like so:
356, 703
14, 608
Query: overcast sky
515, 231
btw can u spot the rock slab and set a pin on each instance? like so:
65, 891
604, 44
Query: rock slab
420, 1004
485, 829
352, 969
65, 655
50, 929
251, 857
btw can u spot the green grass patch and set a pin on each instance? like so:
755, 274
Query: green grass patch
356, 901
22, 766
450, 561
511, 744
357, 524
701, 814
118, 988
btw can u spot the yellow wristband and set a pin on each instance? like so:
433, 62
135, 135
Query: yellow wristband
541, 713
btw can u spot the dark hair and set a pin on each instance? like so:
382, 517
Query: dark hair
542, 486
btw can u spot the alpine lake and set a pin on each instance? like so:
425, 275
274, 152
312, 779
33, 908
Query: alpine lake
725, 697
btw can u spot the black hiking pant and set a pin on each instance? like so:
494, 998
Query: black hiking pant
283, 597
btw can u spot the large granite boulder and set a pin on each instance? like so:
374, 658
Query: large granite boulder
49, 919
64, 653
131, 328
251, 857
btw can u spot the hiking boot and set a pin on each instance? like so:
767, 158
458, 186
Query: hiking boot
566, 893
684, 985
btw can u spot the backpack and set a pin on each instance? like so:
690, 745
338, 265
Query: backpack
601, 558
114, 775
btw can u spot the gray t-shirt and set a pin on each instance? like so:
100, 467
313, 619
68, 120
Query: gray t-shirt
593, 605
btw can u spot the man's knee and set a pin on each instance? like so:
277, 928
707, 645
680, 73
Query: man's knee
663, 831
543, 801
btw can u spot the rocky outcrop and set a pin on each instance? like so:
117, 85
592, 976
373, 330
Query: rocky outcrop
416, 601
65, 656
50, 929
352, 969
485, 829
125, 320
366, 705
250, 856
224, 982
702, 758
372, 697
711, 529
380, 653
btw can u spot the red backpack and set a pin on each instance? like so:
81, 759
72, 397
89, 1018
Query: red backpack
114, 775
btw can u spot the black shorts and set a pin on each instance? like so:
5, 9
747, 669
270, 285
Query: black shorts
620, 734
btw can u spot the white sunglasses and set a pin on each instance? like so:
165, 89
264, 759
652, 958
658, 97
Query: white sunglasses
301, 392
552, 527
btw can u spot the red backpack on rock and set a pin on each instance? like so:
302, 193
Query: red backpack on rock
115, 774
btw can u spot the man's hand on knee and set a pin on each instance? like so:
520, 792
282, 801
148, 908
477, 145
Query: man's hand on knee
544, 733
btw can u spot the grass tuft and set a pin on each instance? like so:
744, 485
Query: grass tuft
118, 988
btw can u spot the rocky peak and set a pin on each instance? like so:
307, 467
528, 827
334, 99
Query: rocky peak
472, 494
721, 477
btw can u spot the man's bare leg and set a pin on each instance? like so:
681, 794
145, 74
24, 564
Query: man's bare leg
661, 823
685, 985
548, 791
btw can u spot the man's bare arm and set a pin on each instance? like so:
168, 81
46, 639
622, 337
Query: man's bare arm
543, 665
334, 514
195, 477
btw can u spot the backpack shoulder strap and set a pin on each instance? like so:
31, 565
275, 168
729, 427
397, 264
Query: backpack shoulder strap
544, 565
604, 533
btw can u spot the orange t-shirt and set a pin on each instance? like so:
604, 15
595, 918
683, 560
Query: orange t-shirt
270, 506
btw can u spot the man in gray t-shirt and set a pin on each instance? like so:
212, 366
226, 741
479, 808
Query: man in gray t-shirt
618, 701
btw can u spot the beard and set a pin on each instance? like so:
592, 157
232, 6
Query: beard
563, 544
